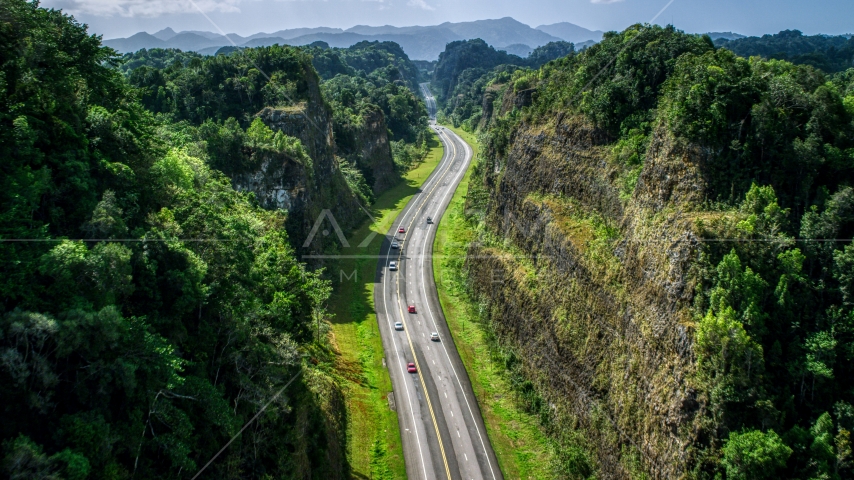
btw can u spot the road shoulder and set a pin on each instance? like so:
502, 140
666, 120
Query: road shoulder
374, 447
519, 441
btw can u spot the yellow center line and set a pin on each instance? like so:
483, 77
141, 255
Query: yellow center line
403, 317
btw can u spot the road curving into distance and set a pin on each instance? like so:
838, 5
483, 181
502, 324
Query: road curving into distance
442, 430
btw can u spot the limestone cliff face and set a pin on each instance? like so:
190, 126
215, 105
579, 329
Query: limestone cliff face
592, 290
513, 99
487, 106
304, 191
374, 158
508, 98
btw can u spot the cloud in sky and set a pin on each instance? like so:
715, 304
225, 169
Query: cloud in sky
156, 8
420, 4
149, 8
122, 18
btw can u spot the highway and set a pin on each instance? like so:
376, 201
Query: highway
442, 430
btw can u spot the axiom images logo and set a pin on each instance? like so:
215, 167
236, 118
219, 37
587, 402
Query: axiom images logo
319, 222
324, 221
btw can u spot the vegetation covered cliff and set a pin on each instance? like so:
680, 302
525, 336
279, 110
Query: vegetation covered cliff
464, 61
152, 299
662, 256
344, 123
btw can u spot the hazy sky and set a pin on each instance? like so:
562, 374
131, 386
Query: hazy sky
121, 18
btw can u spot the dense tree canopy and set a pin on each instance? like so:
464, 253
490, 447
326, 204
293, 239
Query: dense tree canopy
467, 68
157, 58
382, 60
148, 309
372, 77
463, 57
824, 52
774, 338
225, 86
367, 81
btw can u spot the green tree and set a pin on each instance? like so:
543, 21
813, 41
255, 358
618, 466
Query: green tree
140, 349
731, 364
754, 455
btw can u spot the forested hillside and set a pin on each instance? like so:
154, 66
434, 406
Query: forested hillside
828, 53
366, 90
149, 307
468, 59
374, 83
664, 255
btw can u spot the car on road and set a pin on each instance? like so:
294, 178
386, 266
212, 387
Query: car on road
395, 245
429, 220
398, 326
411, 368
401, 230
392, 266
434, 336
412, 309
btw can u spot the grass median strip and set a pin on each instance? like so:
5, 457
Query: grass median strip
373, 434
523, 449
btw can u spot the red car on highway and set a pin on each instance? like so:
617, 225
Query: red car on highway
401, 230
411, 368
412, 309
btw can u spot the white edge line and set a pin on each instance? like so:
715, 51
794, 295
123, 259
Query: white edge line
391, 328
405, 385
469, 154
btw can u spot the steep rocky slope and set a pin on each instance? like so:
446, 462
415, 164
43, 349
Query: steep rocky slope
304, 190
289, 99
594, 295
663, 254
375, 158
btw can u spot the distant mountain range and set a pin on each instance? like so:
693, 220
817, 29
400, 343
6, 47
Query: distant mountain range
725, 35
419, 42
571, 32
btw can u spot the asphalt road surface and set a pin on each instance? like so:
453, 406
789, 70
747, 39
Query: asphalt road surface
440, 423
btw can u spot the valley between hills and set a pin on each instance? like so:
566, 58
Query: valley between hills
634, 252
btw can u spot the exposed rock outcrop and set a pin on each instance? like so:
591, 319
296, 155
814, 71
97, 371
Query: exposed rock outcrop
305, 191
487, 106
513, 99
506, 99
373, 157
593, 291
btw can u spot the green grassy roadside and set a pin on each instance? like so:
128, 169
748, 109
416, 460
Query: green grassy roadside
373, 435
522, 447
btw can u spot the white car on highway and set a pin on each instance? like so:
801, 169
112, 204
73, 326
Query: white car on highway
392, 266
